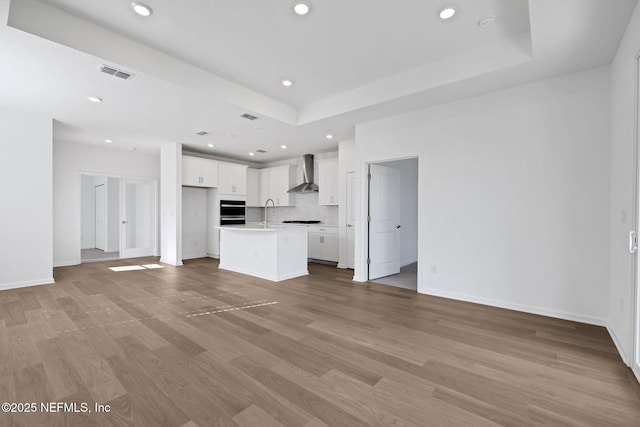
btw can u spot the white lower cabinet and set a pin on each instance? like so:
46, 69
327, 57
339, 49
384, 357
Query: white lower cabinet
323, 243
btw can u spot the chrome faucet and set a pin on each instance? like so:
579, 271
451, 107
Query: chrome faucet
266, 219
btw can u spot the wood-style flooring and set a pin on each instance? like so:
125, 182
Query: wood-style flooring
197, 346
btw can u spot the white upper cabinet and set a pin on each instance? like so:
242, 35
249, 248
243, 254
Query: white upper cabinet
253, 188
263, 177
273, 183
197, 172
328, 182
232, 179
281, 179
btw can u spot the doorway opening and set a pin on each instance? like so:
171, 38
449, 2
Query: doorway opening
99, 218
118, 218
392, 257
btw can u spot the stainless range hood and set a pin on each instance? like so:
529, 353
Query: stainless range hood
307, 185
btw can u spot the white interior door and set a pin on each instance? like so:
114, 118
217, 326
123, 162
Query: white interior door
384, 225
100, 197
351, 220
137, 218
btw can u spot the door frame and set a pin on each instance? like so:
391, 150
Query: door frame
350, 203
156, 218
635, 351
361, 271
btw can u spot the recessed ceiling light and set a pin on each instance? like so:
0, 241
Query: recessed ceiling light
141, 8
287, 83
329, 136
108, 141
94, 99
283, 147
252, 154
447, 13
301, 8
211, 145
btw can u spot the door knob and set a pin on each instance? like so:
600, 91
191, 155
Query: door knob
398, 226
125, 222
349, 225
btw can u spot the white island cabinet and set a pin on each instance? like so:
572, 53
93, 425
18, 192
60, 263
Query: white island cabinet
275, 253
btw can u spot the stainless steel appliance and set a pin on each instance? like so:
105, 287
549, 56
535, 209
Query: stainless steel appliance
307, 185
232, 212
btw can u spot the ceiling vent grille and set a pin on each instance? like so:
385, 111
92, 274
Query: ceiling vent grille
202, 133
115, 72
248, 116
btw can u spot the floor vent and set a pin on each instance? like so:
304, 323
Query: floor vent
202, 133
260, 151
248, 116
115, 72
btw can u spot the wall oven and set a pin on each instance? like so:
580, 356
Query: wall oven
232, 212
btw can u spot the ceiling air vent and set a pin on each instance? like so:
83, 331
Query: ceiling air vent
202, 133
248, 116
115, 72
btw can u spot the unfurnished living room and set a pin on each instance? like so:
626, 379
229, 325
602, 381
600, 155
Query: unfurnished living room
319, 213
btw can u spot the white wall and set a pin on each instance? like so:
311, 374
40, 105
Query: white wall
623, 122
194, 222
87, 213
171, 204
408, 171
113, 214
514, 195
346, 164
26, 194
69, 161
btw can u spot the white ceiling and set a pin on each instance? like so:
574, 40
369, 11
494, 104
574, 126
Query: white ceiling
199, 68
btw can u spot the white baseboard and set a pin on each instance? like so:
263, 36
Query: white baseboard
175, 264
517, 307
625, 358
66, 263
26, 284
213, 256
341, 266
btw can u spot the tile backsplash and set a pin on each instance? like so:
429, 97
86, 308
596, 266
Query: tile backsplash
306, 208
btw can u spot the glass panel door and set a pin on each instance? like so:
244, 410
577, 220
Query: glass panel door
137, 218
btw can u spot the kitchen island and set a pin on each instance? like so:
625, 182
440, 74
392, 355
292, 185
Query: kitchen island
273, 253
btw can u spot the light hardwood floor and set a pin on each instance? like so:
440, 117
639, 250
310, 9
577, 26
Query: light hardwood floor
197, 346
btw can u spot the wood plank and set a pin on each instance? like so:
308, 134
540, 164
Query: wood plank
330, 352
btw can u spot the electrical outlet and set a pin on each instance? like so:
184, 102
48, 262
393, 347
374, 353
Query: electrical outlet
434, 269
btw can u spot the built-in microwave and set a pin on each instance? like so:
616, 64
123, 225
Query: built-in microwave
232, 212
